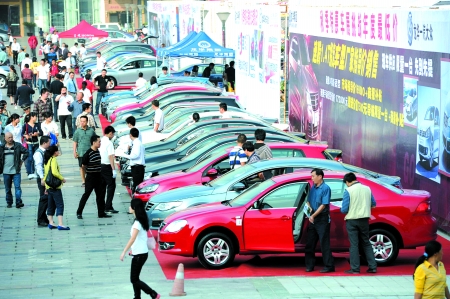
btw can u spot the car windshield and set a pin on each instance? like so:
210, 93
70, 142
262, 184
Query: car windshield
200, 147
205, 161
430, 114
250, 193
232, 175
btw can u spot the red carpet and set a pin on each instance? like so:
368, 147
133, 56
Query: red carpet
286, 265
79, 80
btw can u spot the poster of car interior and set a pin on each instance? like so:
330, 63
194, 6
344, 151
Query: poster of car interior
258, 57
164, 16
369, 82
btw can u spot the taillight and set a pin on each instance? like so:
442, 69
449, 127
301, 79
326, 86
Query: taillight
338, 158
423, 208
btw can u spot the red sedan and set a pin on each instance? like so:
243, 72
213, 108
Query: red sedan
218, 164
269, 218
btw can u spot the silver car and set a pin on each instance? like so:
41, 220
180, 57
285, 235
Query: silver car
4, 71
126, 72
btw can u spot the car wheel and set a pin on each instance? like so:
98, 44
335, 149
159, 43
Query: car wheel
385, 246
2, 81
215, 251
114, 82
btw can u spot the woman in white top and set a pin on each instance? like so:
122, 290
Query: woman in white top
139, 249
49, 126
14, 128
153, 83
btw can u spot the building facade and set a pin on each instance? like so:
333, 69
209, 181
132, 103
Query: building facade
131, 12
14, 13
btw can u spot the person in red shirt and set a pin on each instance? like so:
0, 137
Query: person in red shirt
33, 42
27, 74
89, 84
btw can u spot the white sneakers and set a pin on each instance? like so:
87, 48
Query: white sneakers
32, 176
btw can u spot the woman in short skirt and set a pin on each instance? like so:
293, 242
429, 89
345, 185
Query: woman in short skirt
12, 83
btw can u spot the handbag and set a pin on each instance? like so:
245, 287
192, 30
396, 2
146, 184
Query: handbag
52, 181
151, 242
24, 141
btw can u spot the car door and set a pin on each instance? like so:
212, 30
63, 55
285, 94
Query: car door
287, 153
222, 167
338, 230
129, 73
148, 68
270, 226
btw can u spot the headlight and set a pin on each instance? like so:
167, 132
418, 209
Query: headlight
149, 188
167, 205
175, 226
148, 175
428, 133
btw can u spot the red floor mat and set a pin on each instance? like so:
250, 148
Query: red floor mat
286, 265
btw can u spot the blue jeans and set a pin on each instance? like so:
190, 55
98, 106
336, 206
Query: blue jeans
55, 201
8, 179
42, 84
30, 161
100, 95
34, 81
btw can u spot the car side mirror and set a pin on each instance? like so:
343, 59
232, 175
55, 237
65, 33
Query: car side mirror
212, 172
238, 187
256, 205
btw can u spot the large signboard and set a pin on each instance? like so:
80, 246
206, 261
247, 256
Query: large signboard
162, 18
257, 66
375, 83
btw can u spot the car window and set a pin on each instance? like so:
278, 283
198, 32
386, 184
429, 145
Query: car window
248, 194
101, 26
219, 69
337, 189
222, 167
148, 63
282, 153
232, 175
285, 196
114, 27
131, 65
132, 48
201, 69
197, 132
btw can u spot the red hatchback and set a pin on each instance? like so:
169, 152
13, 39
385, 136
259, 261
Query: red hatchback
218, 164
269, 218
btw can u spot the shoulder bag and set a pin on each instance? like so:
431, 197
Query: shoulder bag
52, 181
151, 242
24, 140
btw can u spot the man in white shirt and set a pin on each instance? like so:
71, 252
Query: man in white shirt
137, 159
223, 110
15, 48
140, 81
43, 75
108, 171
26, 60
81, 51
86, 92
46, 50
158, 119
38, 158
101, 62
65, 116
74, 50
55, 37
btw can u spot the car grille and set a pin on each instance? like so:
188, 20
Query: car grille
423, 150
149, 206
312, 130
314, 101
422, 133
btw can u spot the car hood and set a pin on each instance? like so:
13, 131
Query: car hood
426, 124
162, 178
182, 193
216, 207
310, 79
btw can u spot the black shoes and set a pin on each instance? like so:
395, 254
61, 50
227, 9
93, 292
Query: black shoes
371, 271
325, 270
351, 271
43, 224
104, 216
112, 211
79, 216
309, 269
19, 205
9, 206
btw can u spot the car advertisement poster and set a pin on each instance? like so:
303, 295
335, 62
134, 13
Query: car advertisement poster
164, 16
258, 58
189, 18
374, 83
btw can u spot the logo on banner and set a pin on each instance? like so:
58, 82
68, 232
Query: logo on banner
204, 44
410, 29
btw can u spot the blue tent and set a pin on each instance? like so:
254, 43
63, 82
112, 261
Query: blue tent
200, 46
160, 52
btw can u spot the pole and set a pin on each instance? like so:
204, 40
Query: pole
223, 38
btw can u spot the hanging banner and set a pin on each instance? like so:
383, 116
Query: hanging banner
257, 65
374, 83
162, 18
189, 18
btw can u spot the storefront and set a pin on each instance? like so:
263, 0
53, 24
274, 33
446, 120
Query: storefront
14, 13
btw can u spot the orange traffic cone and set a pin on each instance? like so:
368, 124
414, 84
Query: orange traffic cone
178, 285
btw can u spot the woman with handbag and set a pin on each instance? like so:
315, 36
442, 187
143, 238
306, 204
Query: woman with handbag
12, 79
53, 183
31, 131
139, 248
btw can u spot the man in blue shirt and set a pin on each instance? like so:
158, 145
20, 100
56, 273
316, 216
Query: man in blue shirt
319, 226
51, 56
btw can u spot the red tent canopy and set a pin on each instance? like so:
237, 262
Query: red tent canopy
83, 30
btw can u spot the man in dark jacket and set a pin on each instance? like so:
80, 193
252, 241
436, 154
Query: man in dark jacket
55, 90
24, 94
208, 71
12, 155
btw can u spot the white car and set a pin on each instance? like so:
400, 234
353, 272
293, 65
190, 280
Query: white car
428, 140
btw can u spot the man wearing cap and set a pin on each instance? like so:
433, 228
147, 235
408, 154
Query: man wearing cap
24, 94
26, 110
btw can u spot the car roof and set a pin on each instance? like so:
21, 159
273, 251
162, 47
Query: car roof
306, 174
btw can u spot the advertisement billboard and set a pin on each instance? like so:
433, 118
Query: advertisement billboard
163, 19
373, 83
258, 33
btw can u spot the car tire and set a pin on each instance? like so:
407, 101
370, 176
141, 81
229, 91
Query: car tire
221, 255
385, 246
114, 82
3, 81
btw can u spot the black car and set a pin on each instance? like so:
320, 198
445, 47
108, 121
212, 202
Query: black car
195, 155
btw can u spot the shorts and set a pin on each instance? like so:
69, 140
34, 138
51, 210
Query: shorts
80, 161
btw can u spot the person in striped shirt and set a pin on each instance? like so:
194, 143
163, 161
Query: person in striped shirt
237, 155
93, 167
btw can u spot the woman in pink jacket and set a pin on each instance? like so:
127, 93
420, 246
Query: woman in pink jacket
33, 42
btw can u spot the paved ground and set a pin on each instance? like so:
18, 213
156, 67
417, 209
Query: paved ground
84, 262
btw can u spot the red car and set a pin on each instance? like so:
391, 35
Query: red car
269, 218
218, 164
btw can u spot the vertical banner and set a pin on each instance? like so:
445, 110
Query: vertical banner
189, 18
163, 16
258, 30
375, 84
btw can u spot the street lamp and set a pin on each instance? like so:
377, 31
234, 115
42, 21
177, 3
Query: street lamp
223, 16
204, 13
127, 7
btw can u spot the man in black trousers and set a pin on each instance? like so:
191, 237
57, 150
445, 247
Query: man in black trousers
109, 171
38, 157
93, 167
319, 223
137, 159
